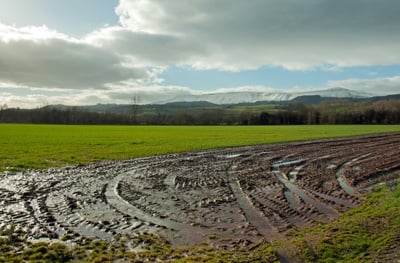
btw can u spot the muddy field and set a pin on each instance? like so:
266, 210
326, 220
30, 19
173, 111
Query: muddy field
226, 197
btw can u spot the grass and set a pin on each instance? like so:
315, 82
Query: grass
43, 146
363, 234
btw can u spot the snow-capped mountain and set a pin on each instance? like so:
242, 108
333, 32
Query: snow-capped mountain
250, 96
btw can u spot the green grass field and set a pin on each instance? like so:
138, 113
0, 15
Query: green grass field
43, 146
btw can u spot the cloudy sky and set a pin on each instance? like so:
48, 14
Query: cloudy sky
107, 51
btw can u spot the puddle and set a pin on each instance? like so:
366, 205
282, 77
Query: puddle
283, 163
341, 178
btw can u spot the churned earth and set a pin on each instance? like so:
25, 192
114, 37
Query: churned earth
226, 197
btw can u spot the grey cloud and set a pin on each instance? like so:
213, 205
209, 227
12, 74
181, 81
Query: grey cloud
148, 49
247, 34
60, 63
265, 19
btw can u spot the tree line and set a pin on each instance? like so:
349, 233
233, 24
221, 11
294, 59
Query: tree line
49, 115
328, 112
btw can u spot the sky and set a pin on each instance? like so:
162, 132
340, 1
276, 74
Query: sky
80, 52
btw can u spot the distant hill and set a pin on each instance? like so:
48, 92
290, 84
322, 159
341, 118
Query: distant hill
308, 99
388, 97
190, 104
127, 109
316, 99
251, 96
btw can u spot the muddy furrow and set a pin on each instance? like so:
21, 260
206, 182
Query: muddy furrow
307, 197
253, 215
224, 196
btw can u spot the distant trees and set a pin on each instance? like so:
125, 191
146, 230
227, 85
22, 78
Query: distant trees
335, 112
181, 117
331, 112
48, 115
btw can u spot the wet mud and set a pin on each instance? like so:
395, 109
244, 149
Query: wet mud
226, 197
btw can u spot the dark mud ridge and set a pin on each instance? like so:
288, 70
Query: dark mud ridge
224, 197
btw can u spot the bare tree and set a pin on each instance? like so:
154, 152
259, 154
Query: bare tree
135, 101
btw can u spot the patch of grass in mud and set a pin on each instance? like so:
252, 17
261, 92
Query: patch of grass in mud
42, 146
152, 249
369, 233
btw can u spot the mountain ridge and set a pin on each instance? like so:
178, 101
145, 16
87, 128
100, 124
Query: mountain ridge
235, 97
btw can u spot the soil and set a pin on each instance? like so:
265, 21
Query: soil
226, 197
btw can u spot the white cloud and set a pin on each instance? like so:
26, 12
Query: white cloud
118, 93
379, 86
124, 92
258, 88
32, 33
24, 101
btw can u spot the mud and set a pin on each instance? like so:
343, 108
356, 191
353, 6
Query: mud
225, 197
